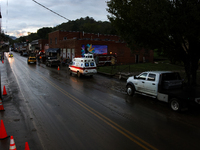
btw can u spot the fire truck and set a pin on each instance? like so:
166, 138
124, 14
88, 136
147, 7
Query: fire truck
105, 59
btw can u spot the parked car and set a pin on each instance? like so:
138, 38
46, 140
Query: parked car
15, 50
166, 86
52, 61
24, 54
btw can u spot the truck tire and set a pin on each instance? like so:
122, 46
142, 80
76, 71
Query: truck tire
130, 90
175, 104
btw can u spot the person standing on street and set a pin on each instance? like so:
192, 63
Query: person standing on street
38, 59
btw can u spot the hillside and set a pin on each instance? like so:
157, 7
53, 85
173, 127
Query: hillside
86, 24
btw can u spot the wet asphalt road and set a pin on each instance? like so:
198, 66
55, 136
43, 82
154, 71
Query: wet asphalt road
51, 110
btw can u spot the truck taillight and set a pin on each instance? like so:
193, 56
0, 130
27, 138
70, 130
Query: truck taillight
197, 100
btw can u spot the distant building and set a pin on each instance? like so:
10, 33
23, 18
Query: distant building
19, 47
34, 46
72, 44
39, 45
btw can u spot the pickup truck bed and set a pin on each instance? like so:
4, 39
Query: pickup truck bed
186, 94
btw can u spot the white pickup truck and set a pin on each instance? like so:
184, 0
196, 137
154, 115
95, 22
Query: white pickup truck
165, 86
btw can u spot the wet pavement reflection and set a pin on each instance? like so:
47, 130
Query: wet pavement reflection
89, 112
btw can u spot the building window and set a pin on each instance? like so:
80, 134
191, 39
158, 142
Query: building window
55, 40
151, 77
65, 38
142, 76
50, 41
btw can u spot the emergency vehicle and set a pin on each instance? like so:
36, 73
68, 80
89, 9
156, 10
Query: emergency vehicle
105, 59
83, 65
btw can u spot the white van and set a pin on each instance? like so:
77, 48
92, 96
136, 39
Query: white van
83, 65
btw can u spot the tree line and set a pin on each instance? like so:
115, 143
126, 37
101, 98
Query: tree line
171, 27
87, 24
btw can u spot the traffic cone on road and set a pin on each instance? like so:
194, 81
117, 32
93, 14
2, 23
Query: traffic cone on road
3, 133
26, 146
2, 62
12, 144
58, 68
1, 105
4, 90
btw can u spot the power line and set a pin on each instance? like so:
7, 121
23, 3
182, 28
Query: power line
50, 10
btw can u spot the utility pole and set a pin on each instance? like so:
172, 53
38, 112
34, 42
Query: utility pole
0, 19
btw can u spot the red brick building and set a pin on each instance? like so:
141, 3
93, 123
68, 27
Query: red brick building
39, 45
43, 44
71, 43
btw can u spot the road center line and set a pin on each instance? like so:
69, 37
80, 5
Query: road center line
106, 120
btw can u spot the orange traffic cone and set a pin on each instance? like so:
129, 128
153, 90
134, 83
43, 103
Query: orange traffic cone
4, 90
12, 144
26, 146
58, 68
1, 105
3, 133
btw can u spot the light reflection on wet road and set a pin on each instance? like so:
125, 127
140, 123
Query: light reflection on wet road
94, 113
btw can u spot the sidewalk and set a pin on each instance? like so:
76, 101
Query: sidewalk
17, 123
4, 80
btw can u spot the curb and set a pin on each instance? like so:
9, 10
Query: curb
106, 74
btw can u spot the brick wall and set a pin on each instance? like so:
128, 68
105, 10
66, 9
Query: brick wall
74, 40
42, 43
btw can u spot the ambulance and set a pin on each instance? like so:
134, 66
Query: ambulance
83, 66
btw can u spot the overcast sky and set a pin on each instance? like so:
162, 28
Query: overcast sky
22, 16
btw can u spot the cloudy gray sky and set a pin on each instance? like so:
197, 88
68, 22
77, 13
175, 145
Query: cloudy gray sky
22, 16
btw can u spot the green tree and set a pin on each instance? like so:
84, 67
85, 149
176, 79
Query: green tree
87, 24
21, 39
168, 25
33, 36
43, 32
3, 37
